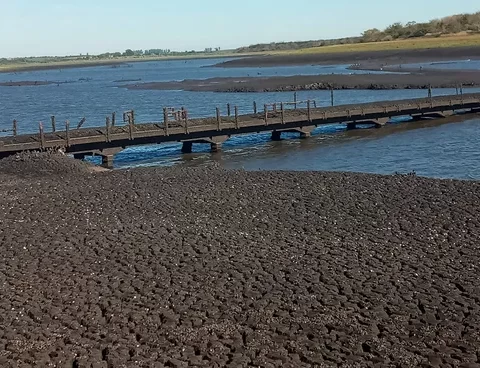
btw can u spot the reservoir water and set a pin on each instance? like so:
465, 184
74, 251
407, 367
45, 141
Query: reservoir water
447, 149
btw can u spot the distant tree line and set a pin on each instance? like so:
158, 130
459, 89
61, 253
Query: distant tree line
449, 25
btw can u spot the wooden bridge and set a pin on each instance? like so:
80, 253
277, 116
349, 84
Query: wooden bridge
110, 139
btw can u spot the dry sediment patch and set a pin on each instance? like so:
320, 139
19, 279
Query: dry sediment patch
426, 79
42, 164
204, 267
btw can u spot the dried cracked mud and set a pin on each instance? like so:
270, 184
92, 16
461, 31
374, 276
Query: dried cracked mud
204, 267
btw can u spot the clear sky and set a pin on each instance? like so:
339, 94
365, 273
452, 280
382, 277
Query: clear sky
60, 27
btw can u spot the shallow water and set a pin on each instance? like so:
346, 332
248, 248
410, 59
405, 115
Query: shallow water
431, 149
436, 149
95, 92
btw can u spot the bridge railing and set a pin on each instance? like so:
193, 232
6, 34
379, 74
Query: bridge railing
13, 130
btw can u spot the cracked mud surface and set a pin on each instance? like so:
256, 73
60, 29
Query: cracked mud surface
210, 268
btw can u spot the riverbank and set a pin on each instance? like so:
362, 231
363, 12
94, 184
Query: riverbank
365, 58
111, 62
197, 267
412, 80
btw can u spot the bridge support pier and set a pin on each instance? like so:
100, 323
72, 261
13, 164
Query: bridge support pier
215, 143
276, 135
215, 147
79, 156
304, 135
107, 161
187, 147
351, 126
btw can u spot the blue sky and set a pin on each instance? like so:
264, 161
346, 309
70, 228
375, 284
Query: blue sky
60, 27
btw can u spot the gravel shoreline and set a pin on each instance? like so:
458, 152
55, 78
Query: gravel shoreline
177, 267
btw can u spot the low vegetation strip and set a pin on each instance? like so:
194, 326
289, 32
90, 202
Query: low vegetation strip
459, 25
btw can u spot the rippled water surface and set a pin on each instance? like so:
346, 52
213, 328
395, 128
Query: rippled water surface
447, 150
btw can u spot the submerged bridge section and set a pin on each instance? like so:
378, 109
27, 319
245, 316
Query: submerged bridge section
110, 139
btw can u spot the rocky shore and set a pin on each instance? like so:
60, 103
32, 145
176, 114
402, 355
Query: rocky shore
176, 267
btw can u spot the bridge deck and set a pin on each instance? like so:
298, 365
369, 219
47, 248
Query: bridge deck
97, 139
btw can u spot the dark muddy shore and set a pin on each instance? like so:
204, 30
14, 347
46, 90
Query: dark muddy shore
367, 59
437, 79
208, 268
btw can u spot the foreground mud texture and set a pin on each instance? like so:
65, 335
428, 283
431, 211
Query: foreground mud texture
209, 268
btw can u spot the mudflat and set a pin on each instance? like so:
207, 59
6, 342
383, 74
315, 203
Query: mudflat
364, 58
177, 267
407, 80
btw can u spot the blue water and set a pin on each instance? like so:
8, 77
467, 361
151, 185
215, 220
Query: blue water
448, 65
94, 93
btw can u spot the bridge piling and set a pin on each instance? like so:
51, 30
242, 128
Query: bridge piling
14, 128
215, 147
187, 147
276, 135
107, 161
79, 156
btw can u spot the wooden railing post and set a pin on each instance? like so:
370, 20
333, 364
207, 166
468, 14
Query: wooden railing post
132, 115
254, 107
265, 112
114, 118
282, 113
107, 126
331, 97
130, 127
14, 128
308, 111
295, 100
275, 107
54, 124
228, 110
219, 118
67, 132
42, 136
236, 117
165, 120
